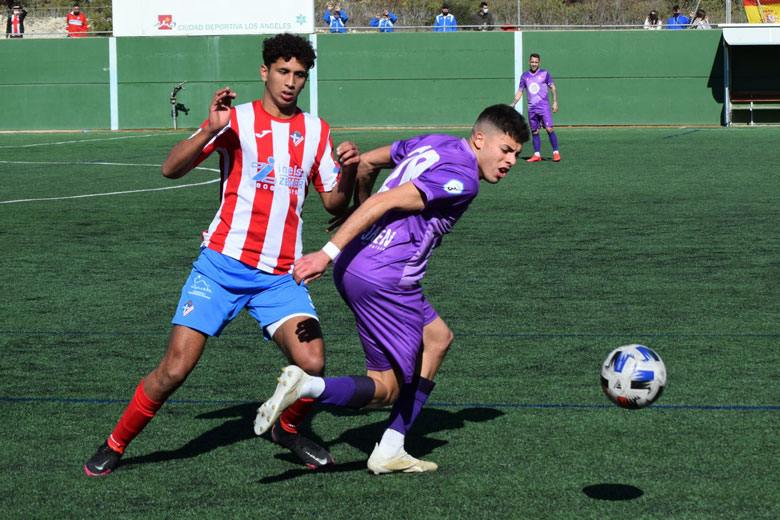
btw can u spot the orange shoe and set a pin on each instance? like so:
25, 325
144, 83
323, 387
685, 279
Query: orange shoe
534, 158
556, 156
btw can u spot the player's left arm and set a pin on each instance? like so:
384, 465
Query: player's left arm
555, 97
406, 197
337, 200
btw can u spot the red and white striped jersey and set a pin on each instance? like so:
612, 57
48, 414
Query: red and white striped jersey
16, 24
267, 164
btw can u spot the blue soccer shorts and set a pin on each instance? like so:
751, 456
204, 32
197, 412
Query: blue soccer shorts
220, 286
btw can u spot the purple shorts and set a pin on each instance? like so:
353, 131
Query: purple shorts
539, 117
389, 322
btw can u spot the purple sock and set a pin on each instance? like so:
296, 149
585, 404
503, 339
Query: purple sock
352, 392
537, 139
554, 141
409, 403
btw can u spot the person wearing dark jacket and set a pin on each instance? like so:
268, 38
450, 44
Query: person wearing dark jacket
483, 19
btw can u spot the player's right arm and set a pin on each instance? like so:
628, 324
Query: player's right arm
405, 197
371, 163
181, 158
518, 96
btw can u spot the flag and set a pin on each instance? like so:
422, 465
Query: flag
762, 11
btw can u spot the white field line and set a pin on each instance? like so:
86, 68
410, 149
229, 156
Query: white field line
82, 140
109, 193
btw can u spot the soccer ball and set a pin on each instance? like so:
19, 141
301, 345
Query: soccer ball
633, 376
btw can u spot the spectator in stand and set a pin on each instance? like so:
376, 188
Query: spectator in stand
483, 19
77, 23
700, 20
14, 27
336, 17
652, 22
445, 22
677, 20
384, 21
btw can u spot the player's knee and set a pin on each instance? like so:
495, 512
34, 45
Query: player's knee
439, 343
171, 376
310, 361
386, 391
386, 399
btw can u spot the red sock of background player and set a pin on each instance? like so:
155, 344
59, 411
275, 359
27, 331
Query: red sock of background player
293, 416
137, 415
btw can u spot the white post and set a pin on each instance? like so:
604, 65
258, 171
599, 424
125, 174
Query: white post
314, 95
728, 11
518, 14
519, 64
113, 85
726, 85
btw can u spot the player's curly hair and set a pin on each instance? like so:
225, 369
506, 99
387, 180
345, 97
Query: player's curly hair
506, 119
287, 46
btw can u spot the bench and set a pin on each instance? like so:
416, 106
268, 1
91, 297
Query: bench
755, 101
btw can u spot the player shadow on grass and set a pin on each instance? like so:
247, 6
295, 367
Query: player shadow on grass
238, 428
431, 420
227, 433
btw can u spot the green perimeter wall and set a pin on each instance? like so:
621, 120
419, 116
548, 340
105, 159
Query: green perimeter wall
399, 79
633, 77
54, 84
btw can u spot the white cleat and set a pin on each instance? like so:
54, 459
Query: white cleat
287, 392
400, 462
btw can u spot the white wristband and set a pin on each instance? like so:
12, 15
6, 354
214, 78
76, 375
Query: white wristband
332, 250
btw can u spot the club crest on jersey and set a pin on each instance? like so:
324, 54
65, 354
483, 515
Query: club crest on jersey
188, 308
296, 137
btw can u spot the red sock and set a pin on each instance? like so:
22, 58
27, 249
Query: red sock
134, 420
293, 416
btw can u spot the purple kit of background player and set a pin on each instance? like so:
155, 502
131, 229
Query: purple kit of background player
536, 82
386, 244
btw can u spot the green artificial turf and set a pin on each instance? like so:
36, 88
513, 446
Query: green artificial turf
665, 237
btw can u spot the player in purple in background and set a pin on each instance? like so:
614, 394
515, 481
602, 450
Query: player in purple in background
536, 81
381, 253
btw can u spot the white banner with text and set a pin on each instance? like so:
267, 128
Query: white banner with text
201, 18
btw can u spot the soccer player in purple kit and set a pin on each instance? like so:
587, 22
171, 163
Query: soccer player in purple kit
536, 81
381, 252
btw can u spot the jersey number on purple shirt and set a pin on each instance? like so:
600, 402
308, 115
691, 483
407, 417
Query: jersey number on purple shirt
412, 167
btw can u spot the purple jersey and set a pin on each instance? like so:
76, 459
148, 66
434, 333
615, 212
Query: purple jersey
535, 84
394, 251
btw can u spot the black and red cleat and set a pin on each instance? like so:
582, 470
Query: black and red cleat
310, 453
103, 461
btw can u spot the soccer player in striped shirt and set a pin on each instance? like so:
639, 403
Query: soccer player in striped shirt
271, 153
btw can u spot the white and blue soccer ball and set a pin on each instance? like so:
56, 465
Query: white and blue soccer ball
633, 376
